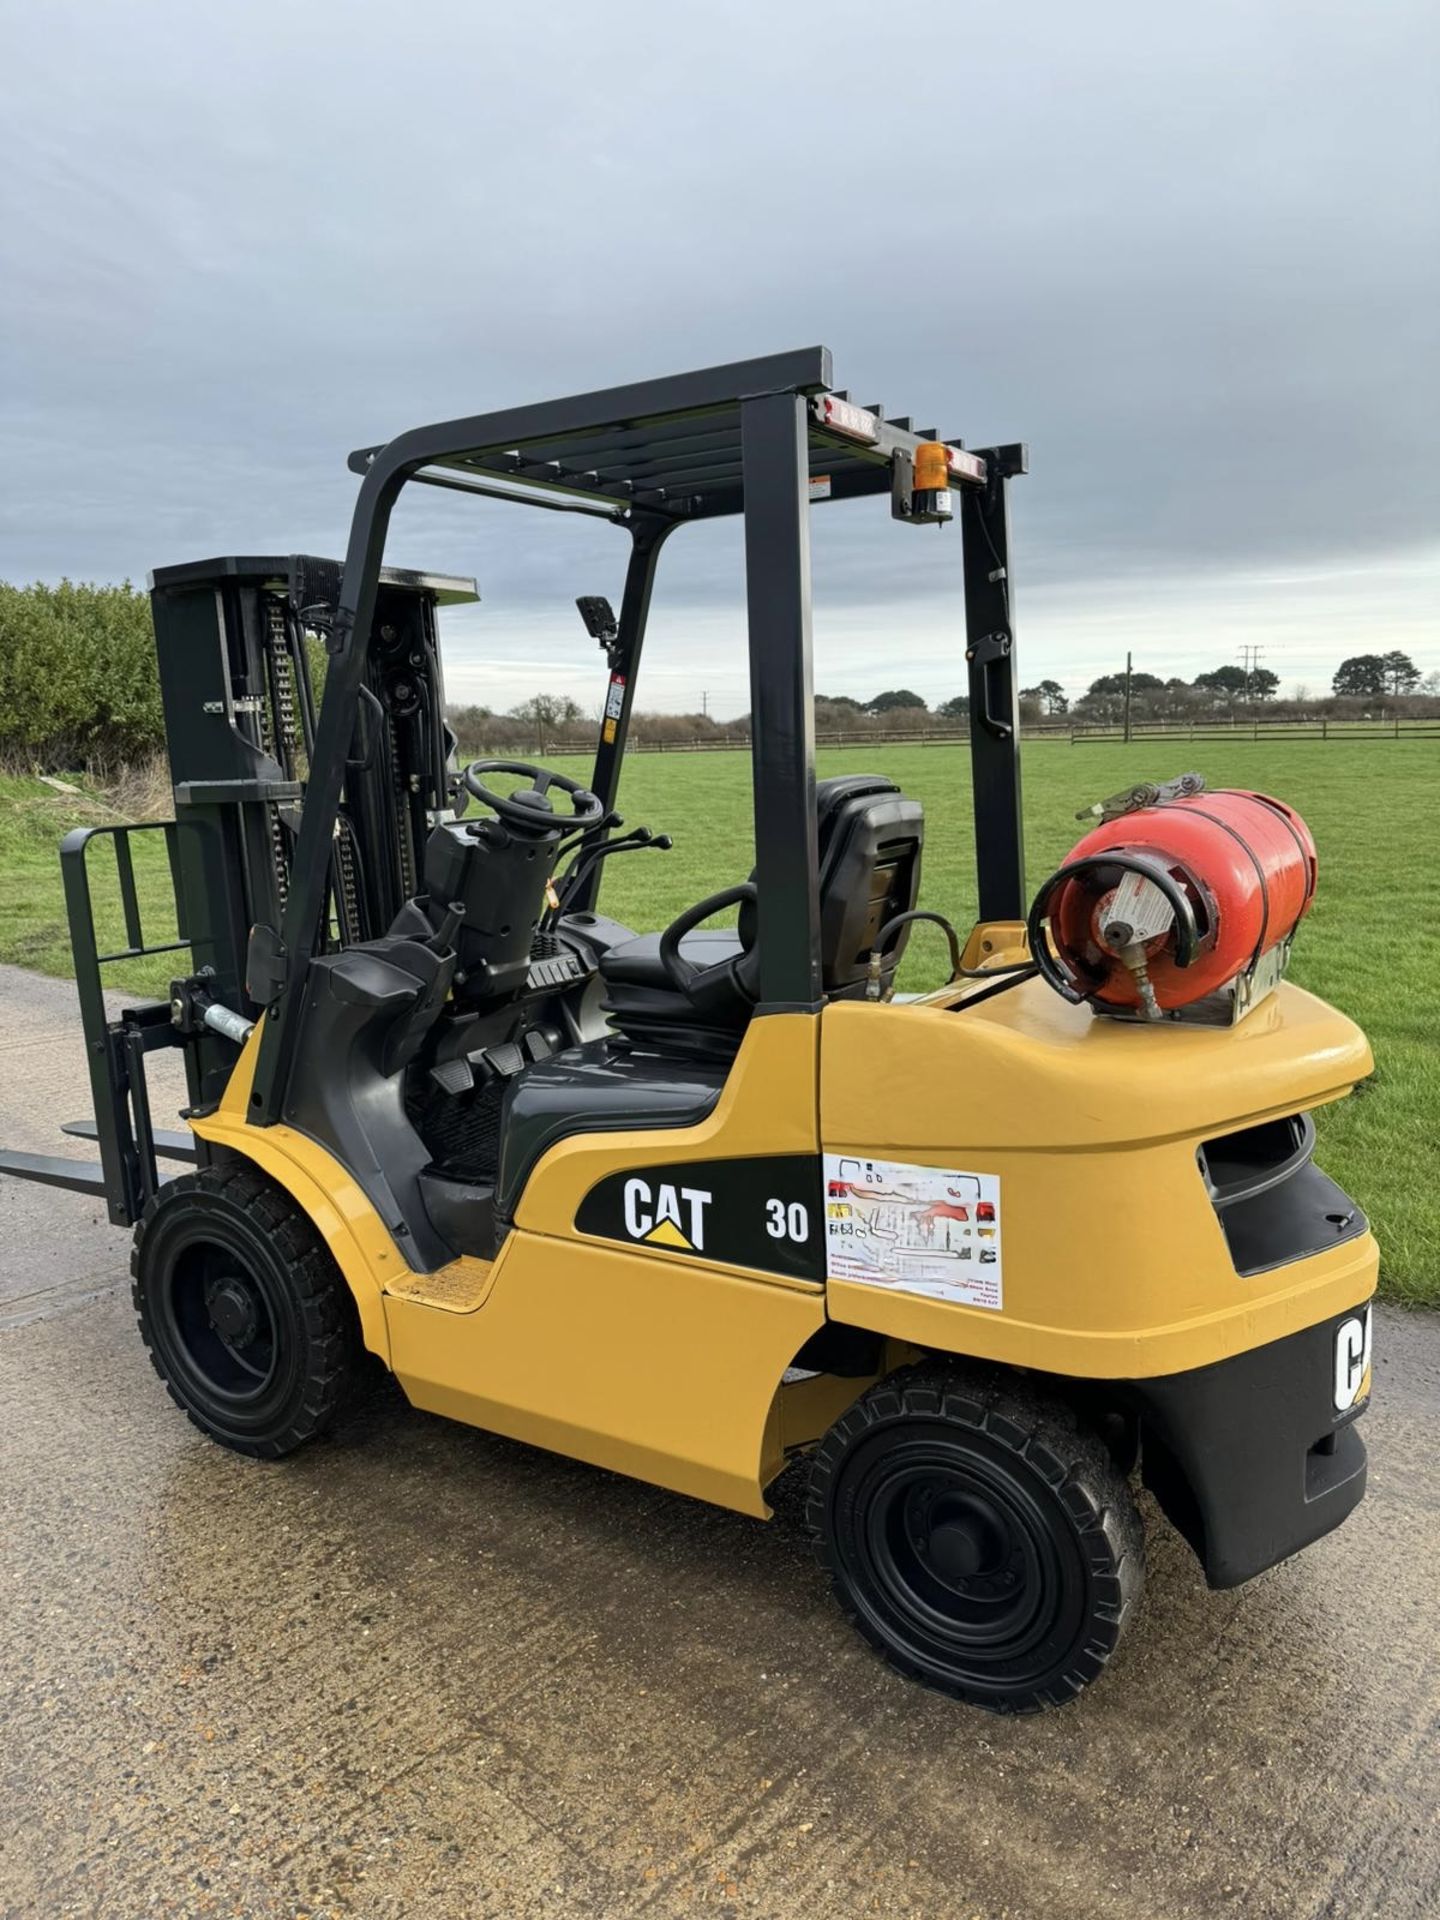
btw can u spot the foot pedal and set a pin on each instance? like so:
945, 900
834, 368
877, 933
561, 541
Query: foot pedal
453, 1076
505, 1060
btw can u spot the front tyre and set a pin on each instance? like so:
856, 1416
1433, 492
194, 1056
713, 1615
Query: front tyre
978, 1536
248, 1320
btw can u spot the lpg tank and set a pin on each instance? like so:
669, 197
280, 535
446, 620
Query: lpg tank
1170, 904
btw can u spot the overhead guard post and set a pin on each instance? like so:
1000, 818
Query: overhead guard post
994, 702
782, 711
648, 534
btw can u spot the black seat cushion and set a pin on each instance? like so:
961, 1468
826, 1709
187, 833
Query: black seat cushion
636, 963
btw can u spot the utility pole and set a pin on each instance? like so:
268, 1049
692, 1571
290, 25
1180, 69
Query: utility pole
1128, 659
1250, 660
704, 703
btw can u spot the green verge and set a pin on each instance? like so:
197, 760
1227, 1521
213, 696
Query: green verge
1374, 807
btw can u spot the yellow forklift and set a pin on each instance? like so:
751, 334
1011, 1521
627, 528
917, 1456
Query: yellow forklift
693, 1204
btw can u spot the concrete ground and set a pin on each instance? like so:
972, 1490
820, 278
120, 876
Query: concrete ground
417, 1670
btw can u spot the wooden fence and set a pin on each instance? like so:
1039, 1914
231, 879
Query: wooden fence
1077, 734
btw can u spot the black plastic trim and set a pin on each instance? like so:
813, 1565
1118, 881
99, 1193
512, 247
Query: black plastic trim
599, 1087
1240, 1166
1306, 1214
1248, 1457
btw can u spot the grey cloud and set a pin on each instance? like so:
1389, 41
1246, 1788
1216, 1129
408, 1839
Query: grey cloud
1189, 255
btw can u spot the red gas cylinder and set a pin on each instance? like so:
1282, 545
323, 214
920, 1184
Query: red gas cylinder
1162, 907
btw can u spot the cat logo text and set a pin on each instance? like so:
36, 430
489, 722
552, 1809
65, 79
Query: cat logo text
666, 1216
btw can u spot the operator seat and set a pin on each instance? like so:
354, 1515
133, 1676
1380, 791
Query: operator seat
692, 992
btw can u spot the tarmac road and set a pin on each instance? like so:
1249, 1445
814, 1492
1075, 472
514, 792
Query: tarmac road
421, 1671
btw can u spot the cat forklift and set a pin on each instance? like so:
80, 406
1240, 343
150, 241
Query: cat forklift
696, 1204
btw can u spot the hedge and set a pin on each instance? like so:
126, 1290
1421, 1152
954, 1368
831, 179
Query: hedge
78, 686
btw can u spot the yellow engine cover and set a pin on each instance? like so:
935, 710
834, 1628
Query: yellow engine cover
1114, 1261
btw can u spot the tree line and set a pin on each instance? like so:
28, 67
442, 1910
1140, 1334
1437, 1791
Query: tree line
1365, 683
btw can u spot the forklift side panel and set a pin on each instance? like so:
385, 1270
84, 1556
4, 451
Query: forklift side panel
660, 1368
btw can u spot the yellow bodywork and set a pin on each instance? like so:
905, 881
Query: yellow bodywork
666, 1369
670, 1368
1116, 1266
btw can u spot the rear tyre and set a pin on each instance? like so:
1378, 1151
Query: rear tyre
248, 1320
978, 1536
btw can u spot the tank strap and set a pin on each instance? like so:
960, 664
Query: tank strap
1241, 841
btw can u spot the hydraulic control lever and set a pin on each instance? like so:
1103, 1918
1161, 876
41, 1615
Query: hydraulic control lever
442, 940
606, 824
589, 858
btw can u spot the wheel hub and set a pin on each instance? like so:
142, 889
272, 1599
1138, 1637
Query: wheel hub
232, 1311
962, 1540
957, 1550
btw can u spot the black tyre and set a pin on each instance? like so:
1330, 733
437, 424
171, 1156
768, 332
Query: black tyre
978, 1536
248, 1320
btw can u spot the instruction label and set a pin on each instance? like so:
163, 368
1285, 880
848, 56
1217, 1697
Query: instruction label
1140, 905
925, 1230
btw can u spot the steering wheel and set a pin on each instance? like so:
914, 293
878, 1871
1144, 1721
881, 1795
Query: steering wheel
529, 806
677, 969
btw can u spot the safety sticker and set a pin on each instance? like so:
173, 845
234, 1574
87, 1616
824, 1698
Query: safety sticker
819, 486
615, 698
915, 1229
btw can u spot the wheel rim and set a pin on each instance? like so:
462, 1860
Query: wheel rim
223, 1325
221, 1316
964, 1559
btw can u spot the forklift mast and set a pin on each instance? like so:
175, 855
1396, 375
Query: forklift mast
238, 641
236, 682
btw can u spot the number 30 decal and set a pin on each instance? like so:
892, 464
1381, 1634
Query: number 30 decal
787, 1223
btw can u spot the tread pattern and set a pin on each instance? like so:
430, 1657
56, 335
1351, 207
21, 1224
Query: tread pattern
330, 1330
1068, 1455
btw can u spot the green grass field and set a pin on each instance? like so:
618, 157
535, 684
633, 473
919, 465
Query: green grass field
1369, 944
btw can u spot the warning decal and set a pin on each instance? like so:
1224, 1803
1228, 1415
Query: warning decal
917, 1229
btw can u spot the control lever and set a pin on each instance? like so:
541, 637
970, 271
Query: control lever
589, 858
443, 939
605, 825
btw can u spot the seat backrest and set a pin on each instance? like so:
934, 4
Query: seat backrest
870, 838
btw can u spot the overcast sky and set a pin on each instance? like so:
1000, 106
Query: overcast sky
1190, 254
